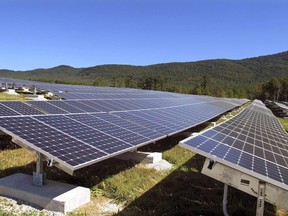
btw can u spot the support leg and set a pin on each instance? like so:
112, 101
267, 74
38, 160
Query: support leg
225, 200
39, 176
260, 199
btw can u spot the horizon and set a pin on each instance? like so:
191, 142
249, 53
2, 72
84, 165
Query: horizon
90, 33
63, 65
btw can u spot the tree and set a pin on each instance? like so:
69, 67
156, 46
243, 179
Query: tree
128, 81
271, 89
99, 81
284, 90
204, 84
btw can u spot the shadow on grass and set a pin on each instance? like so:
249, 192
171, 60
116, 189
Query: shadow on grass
26, 169
87, 177
188, 192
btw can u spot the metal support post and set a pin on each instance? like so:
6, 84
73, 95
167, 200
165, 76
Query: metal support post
225, 200
260, 199
39, 176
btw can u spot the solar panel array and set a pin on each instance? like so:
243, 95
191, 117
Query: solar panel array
253, 142
80, 132
78, 92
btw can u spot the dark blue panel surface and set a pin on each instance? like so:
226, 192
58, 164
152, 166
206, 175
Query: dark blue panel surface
68, 108
111, 129
53, 142
5, 111
47, 107
21, 108
95, 138
144, 131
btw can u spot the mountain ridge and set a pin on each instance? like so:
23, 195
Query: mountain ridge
222, 72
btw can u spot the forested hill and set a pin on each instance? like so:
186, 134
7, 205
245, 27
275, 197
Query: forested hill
221, 72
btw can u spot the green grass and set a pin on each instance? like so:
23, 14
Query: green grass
284, 122
4, 96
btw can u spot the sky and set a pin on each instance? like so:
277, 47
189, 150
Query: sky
84, 33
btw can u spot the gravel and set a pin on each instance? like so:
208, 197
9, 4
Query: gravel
17, 207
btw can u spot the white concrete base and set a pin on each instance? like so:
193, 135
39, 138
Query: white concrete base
142, 157
36, 97
161, 165
54, 196
11, 92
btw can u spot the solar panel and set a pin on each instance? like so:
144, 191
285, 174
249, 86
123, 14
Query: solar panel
51, 142
82, 106
67, 107
20, 107
111, 129
89, 135
133, 117
47, 107
144, 131
5, 111
253, 141
97, 105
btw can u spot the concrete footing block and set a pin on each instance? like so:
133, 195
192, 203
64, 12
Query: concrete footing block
11, 92
142, 157
53, 196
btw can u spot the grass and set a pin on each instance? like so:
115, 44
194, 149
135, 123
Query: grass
16, 160
182, 190
284, 122
4, 96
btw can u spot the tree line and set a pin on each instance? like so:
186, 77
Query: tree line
203, 85
273, 89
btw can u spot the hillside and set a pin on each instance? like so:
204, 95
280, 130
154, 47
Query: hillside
221, 72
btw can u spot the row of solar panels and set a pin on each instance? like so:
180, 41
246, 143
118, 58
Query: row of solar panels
123, 95
77, 92
253, 142
12, 108
71, 92
77, 140
62, 87
76, 133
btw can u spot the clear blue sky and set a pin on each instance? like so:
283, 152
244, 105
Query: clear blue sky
82, 33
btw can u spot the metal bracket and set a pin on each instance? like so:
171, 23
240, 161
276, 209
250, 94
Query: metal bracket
212, 163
